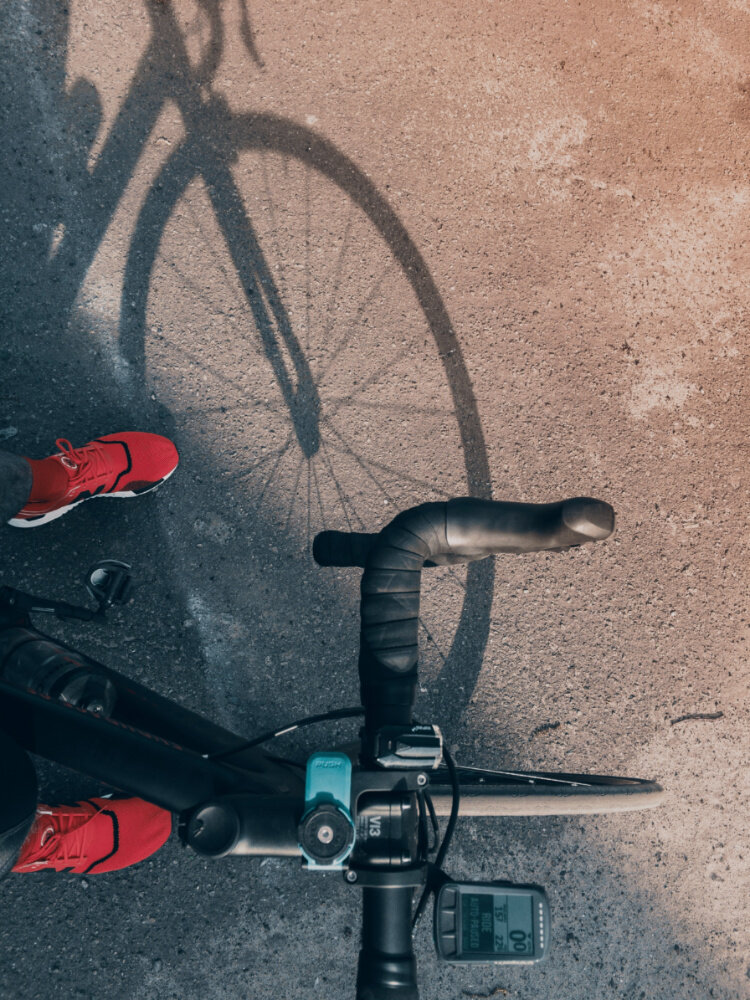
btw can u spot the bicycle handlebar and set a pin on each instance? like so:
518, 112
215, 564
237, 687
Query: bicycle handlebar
387, 968
458, 530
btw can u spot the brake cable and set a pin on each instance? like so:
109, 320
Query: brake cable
339, 713
436, 866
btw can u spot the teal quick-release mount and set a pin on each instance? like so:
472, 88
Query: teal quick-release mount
326, 830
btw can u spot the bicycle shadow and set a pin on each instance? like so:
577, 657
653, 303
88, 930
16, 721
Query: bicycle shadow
50, 357
84, 215
214, 142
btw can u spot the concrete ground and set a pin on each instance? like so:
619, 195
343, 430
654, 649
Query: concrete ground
353, 256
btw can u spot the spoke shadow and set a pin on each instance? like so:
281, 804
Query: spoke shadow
214, 140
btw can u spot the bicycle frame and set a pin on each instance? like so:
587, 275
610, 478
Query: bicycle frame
154, 749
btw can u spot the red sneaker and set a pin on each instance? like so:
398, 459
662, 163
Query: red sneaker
117, 465
98, 835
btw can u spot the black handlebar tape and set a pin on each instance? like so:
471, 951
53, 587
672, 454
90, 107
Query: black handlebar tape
342, 548
387, 967
467, 529
350, 548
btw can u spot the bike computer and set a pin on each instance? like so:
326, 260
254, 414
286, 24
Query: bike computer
491, 922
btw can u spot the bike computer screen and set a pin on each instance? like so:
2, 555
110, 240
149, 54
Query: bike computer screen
491, 922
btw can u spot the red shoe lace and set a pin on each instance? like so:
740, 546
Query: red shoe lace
68, 836
91, 461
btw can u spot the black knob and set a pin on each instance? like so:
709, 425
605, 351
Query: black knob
326, 834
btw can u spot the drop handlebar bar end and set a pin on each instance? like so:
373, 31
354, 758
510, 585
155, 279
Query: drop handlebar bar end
479, 528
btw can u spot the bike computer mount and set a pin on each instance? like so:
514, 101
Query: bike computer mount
416, 746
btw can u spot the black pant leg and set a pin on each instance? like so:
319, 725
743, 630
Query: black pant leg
18, 799
15, 484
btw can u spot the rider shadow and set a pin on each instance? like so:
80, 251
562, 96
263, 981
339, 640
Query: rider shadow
53, 357
58, 378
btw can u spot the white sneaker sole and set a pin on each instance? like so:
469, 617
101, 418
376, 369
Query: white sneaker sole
22, 522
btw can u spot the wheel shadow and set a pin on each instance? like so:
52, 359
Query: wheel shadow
215, 139
272, 324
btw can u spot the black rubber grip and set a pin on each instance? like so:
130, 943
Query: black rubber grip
459, 530
351, 548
